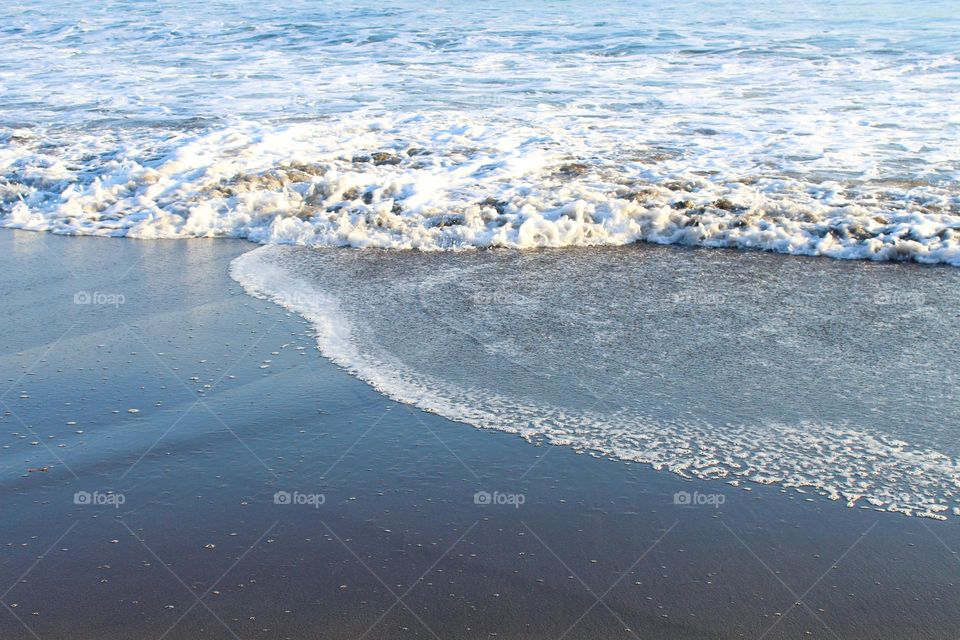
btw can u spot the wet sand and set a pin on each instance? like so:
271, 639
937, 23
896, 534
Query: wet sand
233, 404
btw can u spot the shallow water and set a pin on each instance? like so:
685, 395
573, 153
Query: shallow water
400, 489
816, 127
743, 367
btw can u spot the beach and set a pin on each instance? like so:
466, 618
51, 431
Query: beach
550, 320
390, 522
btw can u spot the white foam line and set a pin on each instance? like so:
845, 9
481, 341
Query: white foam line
451, 182
863, 469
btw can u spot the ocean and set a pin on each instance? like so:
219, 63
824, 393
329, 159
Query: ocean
529, 156
810, 127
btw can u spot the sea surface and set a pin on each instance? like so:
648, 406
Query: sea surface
806, 127
825, 376
233, 406
567, 137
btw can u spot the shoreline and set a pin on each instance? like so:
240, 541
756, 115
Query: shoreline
198, 473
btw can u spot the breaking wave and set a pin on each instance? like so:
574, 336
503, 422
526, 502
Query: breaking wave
446, 182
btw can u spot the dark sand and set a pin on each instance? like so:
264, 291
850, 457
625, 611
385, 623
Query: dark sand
399, 549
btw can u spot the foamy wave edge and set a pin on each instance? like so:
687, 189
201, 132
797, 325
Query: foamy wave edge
436, 184
863, 469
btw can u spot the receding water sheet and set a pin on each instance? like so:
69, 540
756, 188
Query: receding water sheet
743, 367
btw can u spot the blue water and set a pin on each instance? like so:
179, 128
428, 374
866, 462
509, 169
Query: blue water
813, 128
66, 63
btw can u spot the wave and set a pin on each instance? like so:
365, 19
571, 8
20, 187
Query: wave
862, 467
447, 182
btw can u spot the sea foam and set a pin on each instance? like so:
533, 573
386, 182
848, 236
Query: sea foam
541, 369
442, 182
813, 129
